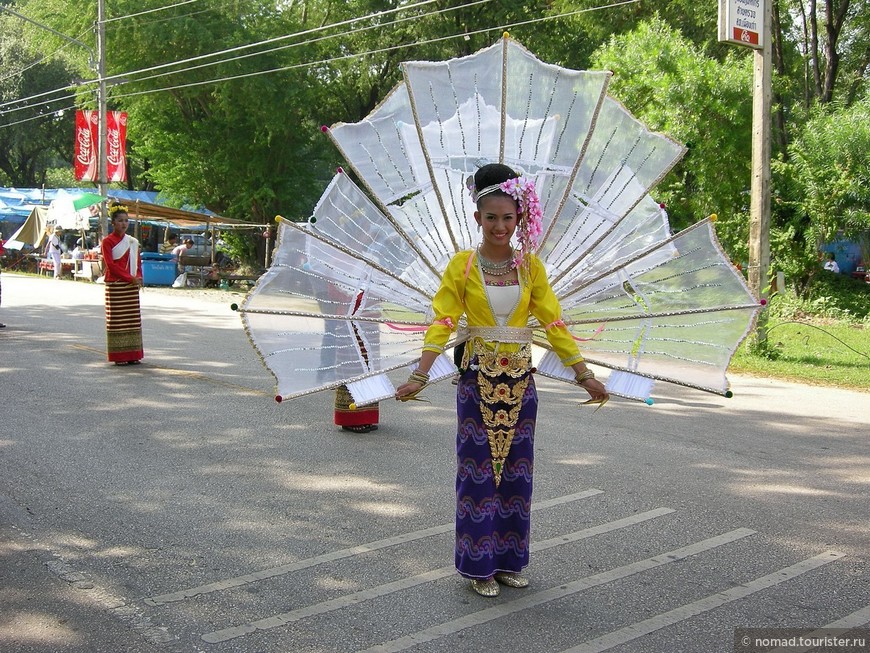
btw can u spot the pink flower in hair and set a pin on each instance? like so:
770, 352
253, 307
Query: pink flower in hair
522, 189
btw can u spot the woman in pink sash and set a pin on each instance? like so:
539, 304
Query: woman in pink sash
123, 276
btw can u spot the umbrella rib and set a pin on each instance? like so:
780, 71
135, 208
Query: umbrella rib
383, 208
625, 264
580, 158
658, 314
351, 253
428, 159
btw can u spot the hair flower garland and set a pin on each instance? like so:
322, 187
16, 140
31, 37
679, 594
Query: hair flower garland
522, 189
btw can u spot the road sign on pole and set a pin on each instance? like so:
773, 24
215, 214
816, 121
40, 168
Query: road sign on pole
748, 23
742, 22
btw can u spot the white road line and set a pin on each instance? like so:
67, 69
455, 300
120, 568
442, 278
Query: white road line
560, 592
264, 574
854, 620
659, 621
406, 583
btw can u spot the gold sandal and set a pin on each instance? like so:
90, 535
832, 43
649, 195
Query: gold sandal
486, 587
511, 579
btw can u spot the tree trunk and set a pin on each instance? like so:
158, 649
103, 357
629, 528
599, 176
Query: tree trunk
814, 50
834, 19
780, 135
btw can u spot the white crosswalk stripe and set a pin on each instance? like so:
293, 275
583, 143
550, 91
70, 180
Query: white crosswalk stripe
695, 608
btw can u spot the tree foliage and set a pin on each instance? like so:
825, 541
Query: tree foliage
670, 85
31, 138
831, 170
240, 131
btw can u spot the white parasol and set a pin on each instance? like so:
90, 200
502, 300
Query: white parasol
346, 297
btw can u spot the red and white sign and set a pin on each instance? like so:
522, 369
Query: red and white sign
742, 22
86, 162
116, 146
85, 158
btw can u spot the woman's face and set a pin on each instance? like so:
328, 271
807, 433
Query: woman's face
497, 218
119, 223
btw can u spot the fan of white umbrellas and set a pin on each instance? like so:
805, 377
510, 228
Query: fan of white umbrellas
345, 300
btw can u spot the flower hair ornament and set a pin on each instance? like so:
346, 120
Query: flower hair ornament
530, 227
118, 208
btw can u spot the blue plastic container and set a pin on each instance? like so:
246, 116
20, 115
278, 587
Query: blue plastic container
158, 269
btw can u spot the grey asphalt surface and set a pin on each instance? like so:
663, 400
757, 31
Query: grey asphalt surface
175, 507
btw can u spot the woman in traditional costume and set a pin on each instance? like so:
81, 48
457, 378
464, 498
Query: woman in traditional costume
497, 288
123, 277
346, 414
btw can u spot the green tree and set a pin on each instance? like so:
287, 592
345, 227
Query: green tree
670, 85
32, 139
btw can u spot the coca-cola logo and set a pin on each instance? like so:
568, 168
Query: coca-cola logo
114, 153
83, 138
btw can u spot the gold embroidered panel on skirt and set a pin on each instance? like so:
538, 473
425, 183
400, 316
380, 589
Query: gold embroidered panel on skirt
501, 399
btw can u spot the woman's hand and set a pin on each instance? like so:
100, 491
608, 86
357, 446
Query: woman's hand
595, 389
407, 389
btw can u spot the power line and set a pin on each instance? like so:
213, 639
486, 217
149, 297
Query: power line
376, 51
169, 18
313, 30
310, 41
123, 76
39, 61
314, 63
39, 117
149, 11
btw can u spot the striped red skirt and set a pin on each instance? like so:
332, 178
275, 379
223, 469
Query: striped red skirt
123, 322
344, 415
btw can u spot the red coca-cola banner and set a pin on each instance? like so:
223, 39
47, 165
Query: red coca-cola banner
87, 134
116, 146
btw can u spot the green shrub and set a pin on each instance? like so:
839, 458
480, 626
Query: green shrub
829, 296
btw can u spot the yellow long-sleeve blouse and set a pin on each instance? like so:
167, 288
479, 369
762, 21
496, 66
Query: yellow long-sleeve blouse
460, 294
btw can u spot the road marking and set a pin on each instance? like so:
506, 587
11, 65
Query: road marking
265, 574
552, 594
659, 621
835, 628
406, 583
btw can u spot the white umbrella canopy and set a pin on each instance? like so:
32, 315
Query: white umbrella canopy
71, 211
345, 299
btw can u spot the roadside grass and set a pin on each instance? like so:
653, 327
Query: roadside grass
819, 352
821, 337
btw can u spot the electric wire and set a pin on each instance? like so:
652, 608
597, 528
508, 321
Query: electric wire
41, 116
123, 76
828, 333
352, 32
370, 52
39, 61
149, 11
119, 77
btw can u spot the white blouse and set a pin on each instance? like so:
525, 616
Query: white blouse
502, 301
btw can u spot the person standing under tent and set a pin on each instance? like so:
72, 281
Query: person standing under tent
123, 277
53, 251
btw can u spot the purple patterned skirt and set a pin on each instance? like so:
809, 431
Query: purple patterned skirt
494, 492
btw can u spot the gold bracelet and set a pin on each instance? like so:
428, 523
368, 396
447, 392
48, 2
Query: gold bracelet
418, 377
584, 376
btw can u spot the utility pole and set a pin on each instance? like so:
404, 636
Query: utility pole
101, 77
759, 220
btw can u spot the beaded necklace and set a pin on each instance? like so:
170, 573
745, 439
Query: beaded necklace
499, 269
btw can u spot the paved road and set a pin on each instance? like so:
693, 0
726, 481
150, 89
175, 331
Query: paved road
175, 506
